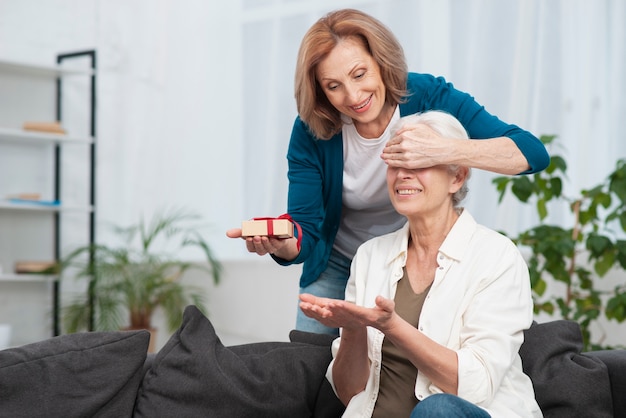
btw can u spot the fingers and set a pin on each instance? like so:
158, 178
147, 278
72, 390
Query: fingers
312, 300
323, 306
259, 245
414, 147
265, 245
387, 305
399, 160
418, 134
234, 233
308, 298
318, 312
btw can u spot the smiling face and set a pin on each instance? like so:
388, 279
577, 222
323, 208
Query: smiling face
351, 80
423, 192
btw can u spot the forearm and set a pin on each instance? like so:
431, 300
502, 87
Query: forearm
413, 148
351, 366
498, 155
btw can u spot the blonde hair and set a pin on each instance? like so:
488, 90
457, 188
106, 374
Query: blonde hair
446, 126
314, 109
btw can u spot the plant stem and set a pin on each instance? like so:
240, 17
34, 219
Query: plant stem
575, 233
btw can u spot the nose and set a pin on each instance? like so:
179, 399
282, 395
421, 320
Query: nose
404, 173
400, 173
352, 91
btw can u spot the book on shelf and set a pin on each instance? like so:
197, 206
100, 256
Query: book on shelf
36, 267
31, 198
25, 196
35, 202
49, 127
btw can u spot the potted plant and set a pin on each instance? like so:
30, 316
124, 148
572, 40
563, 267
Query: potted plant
567, 262
128, 282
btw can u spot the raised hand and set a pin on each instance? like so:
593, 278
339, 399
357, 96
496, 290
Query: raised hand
417, 146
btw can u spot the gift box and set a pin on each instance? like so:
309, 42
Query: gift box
273, 227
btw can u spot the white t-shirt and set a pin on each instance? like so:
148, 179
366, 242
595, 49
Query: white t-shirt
367, 210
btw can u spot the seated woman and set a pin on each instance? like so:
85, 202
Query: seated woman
434, 313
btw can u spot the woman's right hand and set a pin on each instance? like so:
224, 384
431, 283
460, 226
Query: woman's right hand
285, 248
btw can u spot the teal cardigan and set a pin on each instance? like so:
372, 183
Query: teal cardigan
316, 166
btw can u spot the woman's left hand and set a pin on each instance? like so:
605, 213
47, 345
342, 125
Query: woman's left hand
337, 313
416, 146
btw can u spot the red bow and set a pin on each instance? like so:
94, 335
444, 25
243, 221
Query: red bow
270, 226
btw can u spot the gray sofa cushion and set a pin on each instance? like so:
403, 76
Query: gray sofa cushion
327, 404
94, 374
194, 375
567, 384
615, 360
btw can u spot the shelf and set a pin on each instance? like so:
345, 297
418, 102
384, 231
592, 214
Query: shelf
37, 278
40, 70
32, 137
51, 78
36, 206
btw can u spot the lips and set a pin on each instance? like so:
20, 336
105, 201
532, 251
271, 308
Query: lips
362, 106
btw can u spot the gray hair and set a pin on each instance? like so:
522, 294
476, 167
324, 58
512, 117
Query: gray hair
447, 126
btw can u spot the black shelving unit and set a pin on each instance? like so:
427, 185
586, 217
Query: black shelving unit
61, 58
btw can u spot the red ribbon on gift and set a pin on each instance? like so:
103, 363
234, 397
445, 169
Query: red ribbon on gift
270, 226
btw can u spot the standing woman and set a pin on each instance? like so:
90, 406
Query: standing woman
351, 85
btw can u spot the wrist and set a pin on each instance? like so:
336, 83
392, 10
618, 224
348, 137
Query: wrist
289, 251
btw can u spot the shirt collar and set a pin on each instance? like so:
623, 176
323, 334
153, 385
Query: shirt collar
457, 241
454, 246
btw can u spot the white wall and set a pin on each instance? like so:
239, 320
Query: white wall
256, 301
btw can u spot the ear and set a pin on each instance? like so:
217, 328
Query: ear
459, 179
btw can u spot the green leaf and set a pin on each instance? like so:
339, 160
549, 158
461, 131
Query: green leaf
547, 139
542, 210
556, 185
604, 199
617, 180
620, 246
615, 309
540, 287
558, 163
622, 220
501, 185
604, 263
522, 188
598, 244
546, 307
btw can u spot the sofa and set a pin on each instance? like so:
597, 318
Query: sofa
110, 374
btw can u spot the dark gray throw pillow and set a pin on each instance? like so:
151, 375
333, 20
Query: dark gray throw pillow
194, 375
94, 374
327, 404
615, 361
567, 384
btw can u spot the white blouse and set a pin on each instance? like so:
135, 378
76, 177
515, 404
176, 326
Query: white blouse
482, 278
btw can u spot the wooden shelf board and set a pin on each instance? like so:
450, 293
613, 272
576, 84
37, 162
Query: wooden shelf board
43, 278
32, 137
16, 67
